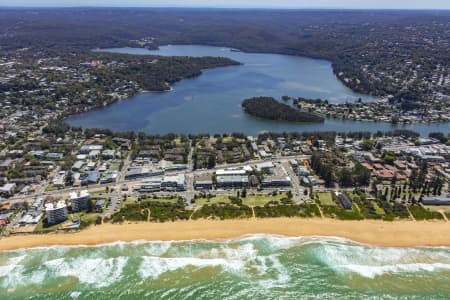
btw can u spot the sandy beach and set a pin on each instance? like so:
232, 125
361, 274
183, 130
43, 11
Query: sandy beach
377, 233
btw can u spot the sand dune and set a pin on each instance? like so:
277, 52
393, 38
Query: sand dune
379, 233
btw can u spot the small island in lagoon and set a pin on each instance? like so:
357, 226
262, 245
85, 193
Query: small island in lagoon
271, 109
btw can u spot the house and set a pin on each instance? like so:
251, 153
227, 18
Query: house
86, 149
54, 156
77, 166
4, 219
108, 154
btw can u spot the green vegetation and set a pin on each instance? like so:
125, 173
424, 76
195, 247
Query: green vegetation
271, 109
223, 211
150, 210
366, 207
420, 213
286, 208
43, 227
325, 199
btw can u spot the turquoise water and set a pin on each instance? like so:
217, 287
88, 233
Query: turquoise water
254, 267
211, 103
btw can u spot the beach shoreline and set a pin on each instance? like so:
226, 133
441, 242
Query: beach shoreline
374, 233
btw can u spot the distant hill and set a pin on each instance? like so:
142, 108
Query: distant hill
271, 109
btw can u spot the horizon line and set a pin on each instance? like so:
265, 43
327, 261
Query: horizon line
222, 7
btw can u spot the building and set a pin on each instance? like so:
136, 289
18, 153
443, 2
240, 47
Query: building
80, 200
151, 185
231, 178
436, 200
170, 166
276, 181
303, 171
265, 166
99, 206
88, 148
8, 189
174, 183
108, 154
56, 212
90, 178
345, 202
109, 177
203, 182
77, 166
141, 172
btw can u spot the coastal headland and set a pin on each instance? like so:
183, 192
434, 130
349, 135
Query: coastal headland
376, 233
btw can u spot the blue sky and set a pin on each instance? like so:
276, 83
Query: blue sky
390, 4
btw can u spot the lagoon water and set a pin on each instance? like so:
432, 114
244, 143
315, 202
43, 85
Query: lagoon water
254, 267
210, 103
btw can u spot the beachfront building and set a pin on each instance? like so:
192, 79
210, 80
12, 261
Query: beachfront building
56, 212
79, 200
231, 178
436, 200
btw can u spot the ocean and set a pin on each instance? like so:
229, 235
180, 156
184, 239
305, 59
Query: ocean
252, 267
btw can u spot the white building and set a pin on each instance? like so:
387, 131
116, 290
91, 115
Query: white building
176, 182
56, 212
79, 200
8, 189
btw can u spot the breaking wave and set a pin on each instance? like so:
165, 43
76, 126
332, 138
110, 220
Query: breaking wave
253, 263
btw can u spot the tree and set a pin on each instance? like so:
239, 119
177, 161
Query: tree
345, 178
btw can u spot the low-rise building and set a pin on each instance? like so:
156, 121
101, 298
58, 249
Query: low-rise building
231, 178
174, 183
276, 181
203, 182
151, 185
8, 189
436, 200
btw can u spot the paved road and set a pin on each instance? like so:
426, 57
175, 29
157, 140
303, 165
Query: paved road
190, 175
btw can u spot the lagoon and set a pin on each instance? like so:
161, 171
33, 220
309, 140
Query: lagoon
211, 102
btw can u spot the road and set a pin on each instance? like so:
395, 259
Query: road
189, 177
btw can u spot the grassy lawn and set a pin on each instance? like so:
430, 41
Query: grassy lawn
114, 166
341, 213
326, 199
421, 213
98, 192
164, 200
261, 200
214, 200
40, 226
444, 208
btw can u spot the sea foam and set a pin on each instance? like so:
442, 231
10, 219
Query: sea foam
100, 272
370, 262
